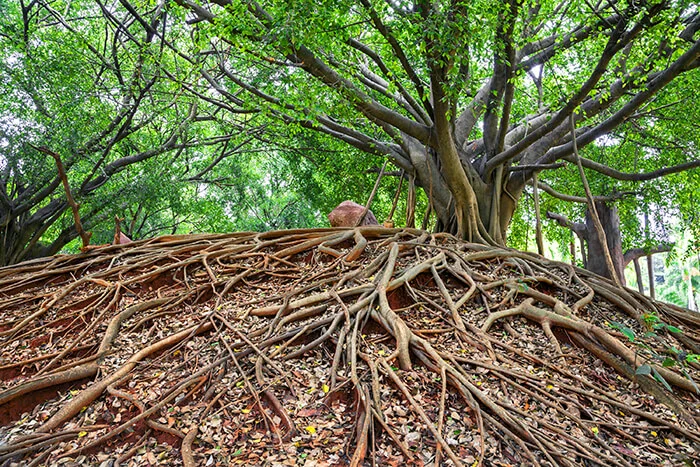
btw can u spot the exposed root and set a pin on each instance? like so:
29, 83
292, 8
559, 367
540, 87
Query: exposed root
351, 346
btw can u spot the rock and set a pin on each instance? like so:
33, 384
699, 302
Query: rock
347, 213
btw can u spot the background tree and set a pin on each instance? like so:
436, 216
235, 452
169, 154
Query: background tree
87, 82
143, 137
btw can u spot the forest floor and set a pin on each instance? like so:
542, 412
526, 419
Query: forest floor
333, 347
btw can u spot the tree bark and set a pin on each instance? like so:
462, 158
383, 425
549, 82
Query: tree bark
638, 273
610, 221
592, 250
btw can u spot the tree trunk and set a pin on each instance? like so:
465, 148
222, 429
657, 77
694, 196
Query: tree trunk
638, 273
610, 220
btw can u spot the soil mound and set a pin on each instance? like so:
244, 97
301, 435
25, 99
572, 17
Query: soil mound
364, 346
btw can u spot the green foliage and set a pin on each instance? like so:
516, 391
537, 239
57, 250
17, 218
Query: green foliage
671, 356
219, 124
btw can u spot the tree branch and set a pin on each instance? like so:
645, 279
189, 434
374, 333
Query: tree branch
633, 254
653, 86
391, 77
579, 228
579, 199
84, 236
396, 47
617, 40
636, 177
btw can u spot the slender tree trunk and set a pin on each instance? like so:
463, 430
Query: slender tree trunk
638, 272
650, 270
650, 263
692, 305
572, 251
538, 220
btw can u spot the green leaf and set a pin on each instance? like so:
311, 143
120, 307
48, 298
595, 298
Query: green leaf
629, 334
697, 390
668, 362
673, 329
661, 379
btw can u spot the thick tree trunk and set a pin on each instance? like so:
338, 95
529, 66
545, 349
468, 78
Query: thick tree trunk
20, 233
20, 239
610, 220
594, 257
475, 213
461, 201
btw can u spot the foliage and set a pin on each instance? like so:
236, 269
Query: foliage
485, 107
671, 356
660, 132
260, 116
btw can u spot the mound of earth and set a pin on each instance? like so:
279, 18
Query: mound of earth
328, 347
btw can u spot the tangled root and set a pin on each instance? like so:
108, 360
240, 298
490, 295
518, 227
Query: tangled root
341, 346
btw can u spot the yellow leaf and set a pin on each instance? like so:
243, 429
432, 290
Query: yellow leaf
595, 430
550, 387
325, 388
311, 429
74, 392
245, 411
653, 433
81, 434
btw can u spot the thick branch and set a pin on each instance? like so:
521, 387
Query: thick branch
633, 254
579, 228
653, 86
636, 177
616, 41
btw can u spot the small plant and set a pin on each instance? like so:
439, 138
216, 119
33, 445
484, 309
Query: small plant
670, 357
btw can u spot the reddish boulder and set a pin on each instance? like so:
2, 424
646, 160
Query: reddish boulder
347, 213
121, 239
